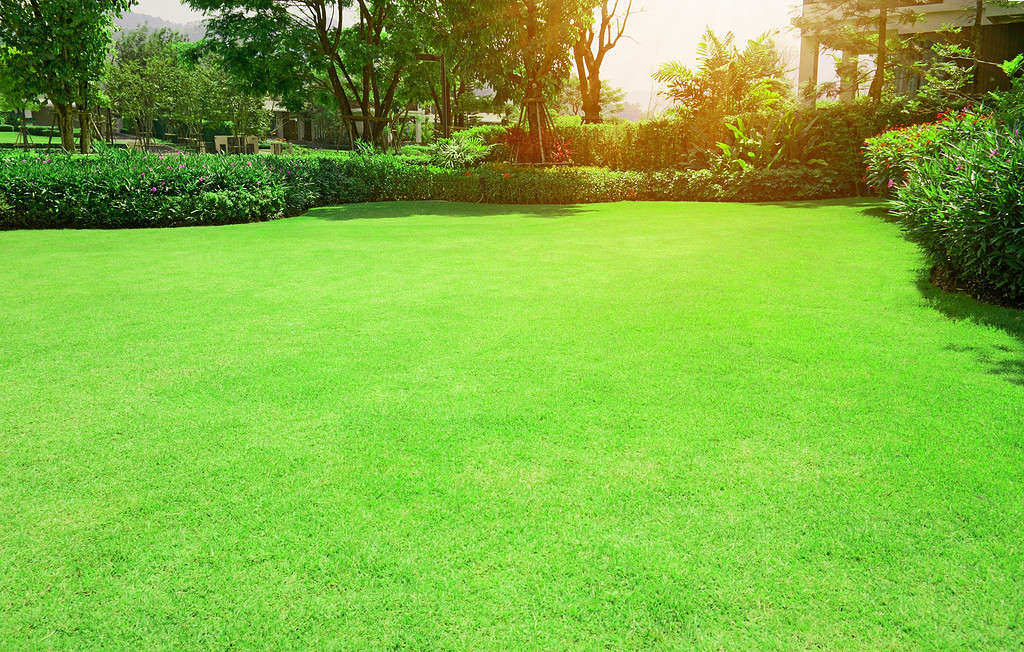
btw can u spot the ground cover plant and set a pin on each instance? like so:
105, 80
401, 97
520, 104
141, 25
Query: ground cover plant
437, 425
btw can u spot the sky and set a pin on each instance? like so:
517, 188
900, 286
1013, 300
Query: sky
661, 31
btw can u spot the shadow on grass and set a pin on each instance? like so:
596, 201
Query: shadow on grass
871, 205
1001, 360
398, 209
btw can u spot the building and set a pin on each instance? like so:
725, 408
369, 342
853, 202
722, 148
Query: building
1003, 37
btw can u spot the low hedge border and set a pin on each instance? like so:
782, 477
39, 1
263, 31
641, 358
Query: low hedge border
126, 189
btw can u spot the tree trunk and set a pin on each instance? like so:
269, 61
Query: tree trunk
581, 72
23, 128
592, 100
66, 125
875, 92
343, 104
85, 130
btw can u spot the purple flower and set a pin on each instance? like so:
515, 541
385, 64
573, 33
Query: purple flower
153, 189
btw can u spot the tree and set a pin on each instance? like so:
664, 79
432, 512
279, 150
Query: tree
727, 80
60, 50
290, 47
569, 101
461, 31
594, 41
528, 55
142, 89
14, 96
953, 69
144, 80
199, 89
142, 44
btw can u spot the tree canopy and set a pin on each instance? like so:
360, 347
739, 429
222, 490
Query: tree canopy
59, 49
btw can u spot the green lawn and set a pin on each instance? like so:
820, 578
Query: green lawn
462, 426
12, 137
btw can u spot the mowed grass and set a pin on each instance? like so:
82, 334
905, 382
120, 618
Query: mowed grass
436, 425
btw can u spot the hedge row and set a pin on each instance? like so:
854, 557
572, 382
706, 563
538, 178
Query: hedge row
126, 189
832, 133
646, 146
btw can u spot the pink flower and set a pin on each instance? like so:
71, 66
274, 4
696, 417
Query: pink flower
993, 153
153, 189
892, 183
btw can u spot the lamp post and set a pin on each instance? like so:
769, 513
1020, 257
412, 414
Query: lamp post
446, 109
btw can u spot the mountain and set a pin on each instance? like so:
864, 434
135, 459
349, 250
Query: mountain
131, 20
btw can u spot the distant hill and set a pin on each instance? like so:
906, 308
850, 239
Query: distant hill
193, 31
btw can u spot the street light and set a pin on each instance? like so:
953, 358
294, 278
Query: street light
445, 107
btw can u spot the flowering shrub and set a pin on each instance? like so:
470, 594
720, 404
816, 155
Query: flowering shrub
963, 201
892, 154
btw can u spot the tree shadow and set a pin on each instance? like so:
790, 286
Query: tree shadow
1003, 361
875, 206
402, 209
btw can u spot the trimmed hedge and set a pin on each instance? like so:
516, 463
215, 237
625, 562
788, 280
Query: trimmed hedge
126, 189
833, 133
123, 189
646, 146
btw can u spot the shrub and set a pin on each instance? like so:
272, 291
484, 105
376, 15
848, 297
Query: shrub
890, 156
461, 151
415, 154
963, 202
838, 130
124, 189
6, 211
45, 130
6, 128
